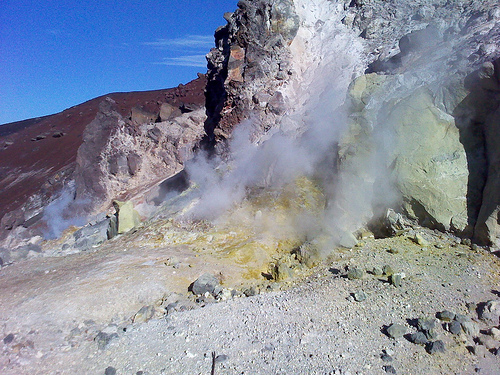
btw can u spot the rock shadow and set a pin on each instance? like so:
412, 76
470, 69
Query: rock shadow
473, 120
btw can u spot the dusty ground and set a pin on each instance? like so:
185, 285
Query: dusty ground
54, 307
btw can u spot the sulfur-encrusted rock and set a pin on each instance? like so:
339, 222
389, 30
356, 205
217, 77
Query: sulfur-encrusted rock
127, 217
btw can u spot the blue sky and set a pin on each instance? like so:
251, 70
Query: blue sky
56, 54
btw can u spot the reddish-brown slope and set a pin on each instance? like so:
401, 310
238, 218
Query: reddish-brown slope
28, 165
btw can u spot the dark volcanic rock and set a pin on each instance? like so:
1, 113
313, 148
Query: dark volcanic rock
249, 62
435, 347
205, 283
418, 338
91, 235
425, 324
445, 316
8, 339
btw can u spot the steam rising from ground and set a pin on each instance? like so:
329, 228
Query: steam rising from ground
348, 151
59, 214
305, 142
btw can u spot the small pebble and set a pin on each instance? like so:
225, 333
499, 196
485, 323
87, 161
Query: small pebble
393, 250
479, 350
110, 371
102, 339
495, 333
461, 318
419, 239
470, 328
488, 342
431, 334
377, 271
354, 273
472, 307
386, 357
454, 327
418, 338
359, 296
425, 324
8, 339
387, 270
396, 279
221, 358
396, 331
250, 292
389, 369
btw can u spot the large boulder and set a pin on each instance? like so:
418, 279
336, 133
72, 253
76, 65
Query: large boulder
127, 217
405, 152
430, 164
91, 235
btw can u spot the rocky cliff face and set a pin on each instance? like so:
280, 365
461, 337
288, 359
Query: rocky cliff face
249, 67
402, 95
120, 158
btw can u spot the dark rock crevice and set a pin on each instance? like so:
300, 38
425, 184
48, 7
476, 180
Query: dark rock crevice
478, 119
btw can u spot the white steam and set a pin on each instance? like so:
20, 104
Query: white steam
326, 57
60, 214
272, 163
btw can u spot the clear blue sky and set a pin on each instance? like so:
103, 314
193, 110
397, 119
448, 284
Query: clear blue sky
55, 54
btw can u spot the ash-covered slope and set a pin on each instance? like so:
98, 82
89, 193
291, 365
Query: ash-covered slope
97, 151
392, 104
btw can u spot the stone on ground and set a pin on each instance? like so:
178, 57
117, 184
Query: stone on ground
205, 283
396, 331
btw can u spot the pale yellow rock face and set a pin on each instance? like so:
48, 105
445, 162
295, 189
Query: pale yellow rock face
430, 161
128, 217
410, 142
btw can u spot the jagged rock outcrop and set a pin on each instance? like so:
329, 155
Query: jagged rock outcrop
419, 137
120, 158
249, 66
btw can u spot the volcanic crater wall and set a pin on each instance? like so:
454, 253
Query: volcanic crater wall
77, 161
404, 96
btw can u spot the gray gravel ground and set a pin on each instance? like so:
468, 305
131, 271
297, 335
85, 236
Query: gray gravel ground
309, 326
